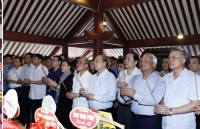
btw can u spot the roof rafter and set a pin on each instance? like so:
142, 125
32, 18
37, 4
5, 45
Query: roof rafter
22, 37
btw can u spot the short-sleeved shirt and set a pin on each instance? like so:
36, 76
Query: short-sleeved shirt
124, 77
84, 79
25, 72
53, 75
180, 92
37, 91
13, 74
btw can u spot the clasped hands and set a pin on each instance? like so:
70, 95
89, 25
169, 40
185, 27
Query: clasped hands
89, 96
52, 84
124, 90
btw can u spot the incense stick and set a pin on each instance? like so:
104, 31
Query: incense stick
151, 91
78, 79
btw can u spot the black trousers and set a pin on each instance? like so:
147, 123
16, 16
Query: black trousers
62, 114
124, 115
197, 122
35, 104
25, 107
145, 122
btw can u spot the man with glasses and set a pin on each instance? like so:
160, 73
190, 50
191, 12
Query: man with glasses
145, 91
181, 95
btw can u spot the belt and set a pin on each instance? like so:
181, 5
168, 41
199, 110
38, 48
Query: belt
143, 116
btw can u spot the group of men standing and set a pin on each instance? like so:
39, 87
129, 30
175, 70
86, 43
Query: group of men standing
144, 96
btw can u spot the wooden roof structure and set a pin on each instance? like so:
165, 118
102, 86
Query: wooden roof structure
52, 27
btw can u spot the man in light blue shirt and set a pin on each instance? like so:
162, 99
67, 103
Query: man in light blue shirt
101, 91
146, 90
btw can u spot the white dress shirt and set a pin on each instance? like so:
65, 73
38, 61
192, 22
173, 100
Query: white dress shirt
180, 92
143, 102
13, 74
25, 72
124, 77
103, 86
84, 79
37, 91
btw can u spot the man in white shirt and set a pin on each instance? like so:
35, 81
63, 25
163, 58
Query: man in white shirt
25, 73
145, 90
181, 94
80, 80
101, 91
13, 76
38, 89
124, 109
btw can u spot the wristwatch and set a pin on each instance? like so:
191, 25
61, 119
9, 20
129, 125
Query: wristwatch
170, 112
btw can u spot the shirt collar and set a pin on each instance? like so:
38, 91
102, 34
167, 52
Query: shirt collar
18, 68
183, 73
153, 74
85, 73
103, 73
135, 71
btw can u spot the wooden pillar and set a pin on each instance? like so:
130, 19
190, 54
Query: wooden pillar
98, 28
125, 49
65, 49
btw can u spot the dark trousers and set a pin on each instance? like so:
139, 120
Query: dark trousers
62, 114
35, 104
124, 115
25, 107
145, 122
197, 122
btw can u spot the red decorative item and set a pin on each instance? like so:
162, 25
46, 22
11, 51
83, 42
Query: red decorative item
44, 120
7, 124
83, 118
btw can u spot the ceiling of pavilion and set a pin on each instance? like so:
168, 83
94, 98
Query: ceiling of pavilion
132, 21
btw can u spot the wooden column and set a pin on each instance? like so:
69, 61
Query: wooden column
98, 28
65, 49
125, 49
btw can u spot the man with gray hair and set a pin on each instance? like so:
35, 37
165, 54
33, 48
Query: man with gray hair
145, 91
181, 97
80, 80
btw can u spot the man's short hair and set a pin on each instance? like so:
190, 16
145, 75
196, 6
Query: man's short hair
198, 58
135, 56
87, 61
39, 56
8, 55
20, 59
59, 58
154, 59
30, 54
183, 54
